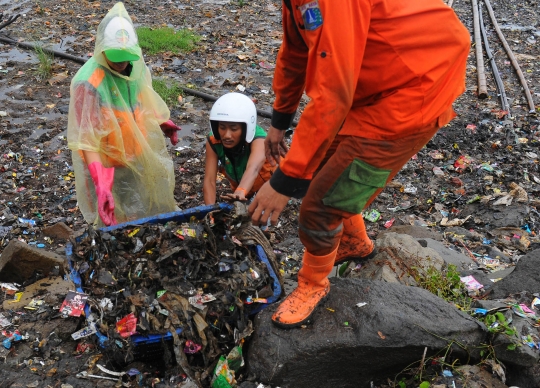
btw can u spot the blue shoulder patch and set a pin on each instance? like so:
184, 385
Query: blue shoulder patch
311, 14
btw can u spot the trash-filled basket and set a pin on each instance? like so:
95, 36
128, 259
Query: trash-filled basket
194, 278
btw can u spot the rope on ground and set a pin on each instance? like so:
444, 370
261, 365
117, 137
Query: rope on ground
511, 56
480, 70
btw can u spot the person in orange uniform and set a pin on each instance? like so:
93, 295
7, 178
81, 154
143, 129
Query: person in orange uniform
381, 76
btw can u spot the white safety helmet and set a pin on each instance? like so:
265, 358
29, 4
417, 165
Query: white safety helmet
235, 108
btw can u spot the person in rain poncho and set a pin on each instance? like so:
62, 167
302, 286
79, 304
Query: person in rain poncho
115, 130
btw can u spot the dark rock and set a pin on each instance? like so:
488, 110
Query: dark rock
522, 355
58, 230
20, 262
414, 231
495, 253
523, 377
397, 255
449, 256
350, 346
526, 277
498, 216
468, 234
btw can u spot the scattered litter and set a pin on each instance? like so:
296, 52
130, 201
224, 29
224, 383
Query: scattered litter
471, 283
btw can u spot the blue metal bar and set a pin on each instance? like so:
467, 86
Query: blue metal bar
180, 216
261, 255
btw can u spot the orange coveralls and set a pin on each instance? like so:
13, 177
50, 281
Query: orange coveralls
381, 76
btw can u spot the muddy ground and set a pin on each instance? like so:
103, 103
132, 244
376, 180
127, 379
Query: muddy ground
240, 40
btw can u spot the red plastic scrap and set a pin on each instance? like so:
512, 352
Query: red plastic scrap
127, 326
456, 182
462, 162
389, 223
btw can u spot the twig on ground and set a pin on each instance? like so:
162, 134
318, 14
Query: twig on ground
9, 20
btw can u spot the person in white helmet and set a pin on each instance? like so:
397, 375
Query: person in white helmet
235, 148
116, 128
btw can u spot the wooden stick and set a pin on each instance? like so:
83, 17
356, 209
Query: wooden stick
9, 20
31, 46
500, 85
511, 56
480, 70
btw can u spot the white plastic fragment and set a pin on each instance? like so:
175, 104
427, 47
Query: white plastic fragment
361, 304
103, 369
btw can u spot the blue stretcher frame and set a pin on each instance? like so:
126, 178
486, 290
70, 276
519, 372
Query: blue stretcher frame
199, 213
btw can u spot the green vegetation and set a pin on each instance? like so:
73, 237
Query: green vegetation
158, 40
445, 283
169, 93
46, 59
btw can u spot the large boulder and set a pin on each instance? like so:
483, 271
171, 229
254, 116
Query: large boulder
399, 257
449, 256
20, 262
350, 345
526, 277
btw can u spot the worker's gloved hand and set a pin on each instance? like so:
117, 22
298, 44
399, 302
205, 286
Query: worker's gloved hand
170, 130
103, 181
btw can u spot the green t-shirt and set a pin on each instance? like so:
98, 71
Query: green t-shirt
234, 167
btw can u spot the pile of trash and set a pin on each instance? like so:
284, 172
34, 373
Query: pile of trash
178, 295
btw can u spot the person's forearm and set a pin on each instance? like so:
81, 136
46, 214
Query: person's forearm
209, 194
248, 179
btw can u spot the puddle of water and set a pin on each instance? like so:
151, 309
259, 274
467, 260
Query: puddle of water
16, 5
38, 132
4, 92
187, 130
227, 74
57, 143
66, 43
18, 56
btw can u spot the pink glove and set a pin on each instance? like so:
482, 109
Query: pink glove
103, 181
170, 130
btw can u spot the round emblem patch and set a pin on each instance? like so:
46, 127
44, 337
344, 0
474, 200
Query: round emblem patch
122, 36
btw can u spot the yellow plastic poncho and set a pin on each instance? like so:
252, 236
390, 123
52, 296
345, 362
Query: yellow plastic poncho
119, 117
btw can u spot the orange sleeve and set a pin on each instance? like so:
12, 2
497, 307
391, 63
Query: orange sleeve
335, 47
290, 73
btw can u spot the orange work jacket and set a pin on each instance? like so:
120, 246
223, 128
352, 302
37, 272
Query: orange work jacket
378, 69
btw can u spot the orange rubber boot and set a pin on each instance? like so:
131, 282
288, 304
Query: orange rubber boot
313, 286
355, 243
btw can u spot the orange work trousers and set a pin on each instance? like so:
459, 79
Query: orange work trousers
353, 172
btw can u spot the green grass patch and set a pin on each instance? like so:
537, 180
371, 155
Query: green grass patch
159, 40
168, 92
44, 70
445, 283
